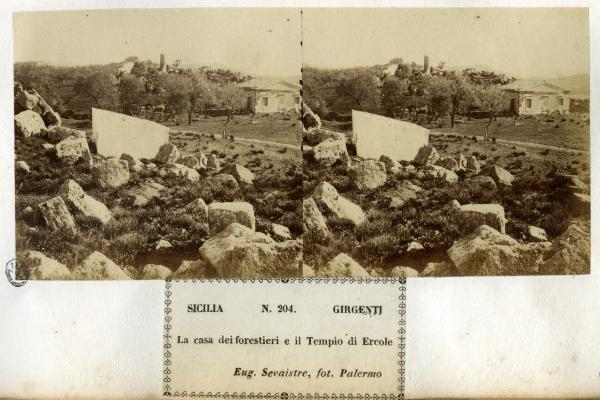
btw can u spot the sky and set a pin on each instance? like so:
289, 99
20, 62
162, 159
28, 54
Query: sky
542, 42
254, 41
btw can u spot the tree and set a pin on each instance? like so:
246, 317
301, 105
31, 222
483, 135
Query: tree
361, 89
100, 87
185, 91
140, 68
130, 88
494, 100
393, 95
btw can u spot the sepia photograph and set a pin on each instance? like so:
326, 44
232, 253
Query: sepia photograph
446, 142
158, 144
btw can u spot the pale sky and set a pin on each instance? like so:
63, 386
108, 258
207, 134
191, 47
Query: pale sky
255, 41
545, 43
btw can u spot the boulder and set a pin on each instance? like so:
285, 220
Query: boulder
313, 221
57, 215
22, 166
438, 172
308, 271
242, 174
60, 133
536, 234
223, 180
221, 215
24, 100
98, 267
427, 155
41, 267
191, 270
240, 252
473, 165
449, 163
310, 120
167, 154
73, 149
280, 232
403, 272
414, 247
110, 173
213, 162
499, 175
328, 197
343, 266
391, 167
80, 202
403, 194
146, 191
453, 206
367, 174
29, 123
483, 182
181, 170
190, 162
438, 270
330, 151
155, 272
487, 252
48, 146
570, 253
163, 244
198, 210
470, 216
461, 162
135, 165
317, 136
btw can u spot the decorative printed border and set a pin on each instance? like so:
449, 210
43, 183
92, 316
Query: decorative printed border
167, 361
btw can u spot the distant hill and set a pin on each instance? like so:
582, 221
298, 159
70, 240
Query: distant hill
579, 85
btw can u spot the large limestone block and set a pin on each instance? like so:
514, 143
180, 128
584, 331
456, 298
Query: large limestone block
499, 175
223, 180
79, 201
343, 266
111, 173
330, 151
24, 100
403, 272
60, 133
191, 270
155, 272
73, 149
440, 172
167, 154
220, 215
41, 267
135, 165
487, 252
471, 216
182, 171
329, 198
570, 254
239, 252
242, 174
313, 221
146, 191
317, 136
29, 123
367, 174
98, 267
427, 155
115, 134
57, 215
374, 135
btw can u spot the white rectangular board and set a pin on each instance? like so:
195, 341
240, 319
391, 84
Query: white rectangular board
116, 134
374, 135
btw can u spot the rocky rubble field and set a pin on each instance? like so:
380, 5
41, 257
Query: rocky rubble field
462, 207
201, 208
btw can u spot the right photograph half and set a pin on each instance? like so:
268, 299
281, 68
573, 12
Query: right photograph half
446, 142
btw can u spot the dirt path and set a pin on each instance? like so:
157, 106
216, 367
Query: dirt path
247, 140
520, 143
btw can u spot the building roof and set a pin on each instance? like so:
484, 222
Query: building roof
270, 84
534, 87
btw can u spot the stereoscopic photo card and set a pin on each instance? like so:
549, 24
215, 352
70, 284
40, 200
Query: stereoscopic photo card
379, 201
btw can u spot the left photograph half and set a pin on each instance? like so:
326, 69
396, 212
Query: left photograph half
158, 144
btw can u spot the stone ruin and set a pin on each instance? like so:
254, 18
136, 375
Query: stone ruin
116, 134
374, 135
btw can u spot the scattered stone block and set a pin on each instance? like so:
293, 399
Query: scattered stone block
328, 197
167, 154
367, 174
29, 123
41, 267
57, 215
111, 173
73, 149
220, 215
78, 201
98, 267
343, 266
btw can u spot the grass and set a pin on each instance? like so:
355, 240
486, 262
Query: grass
130, 238
538, 197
